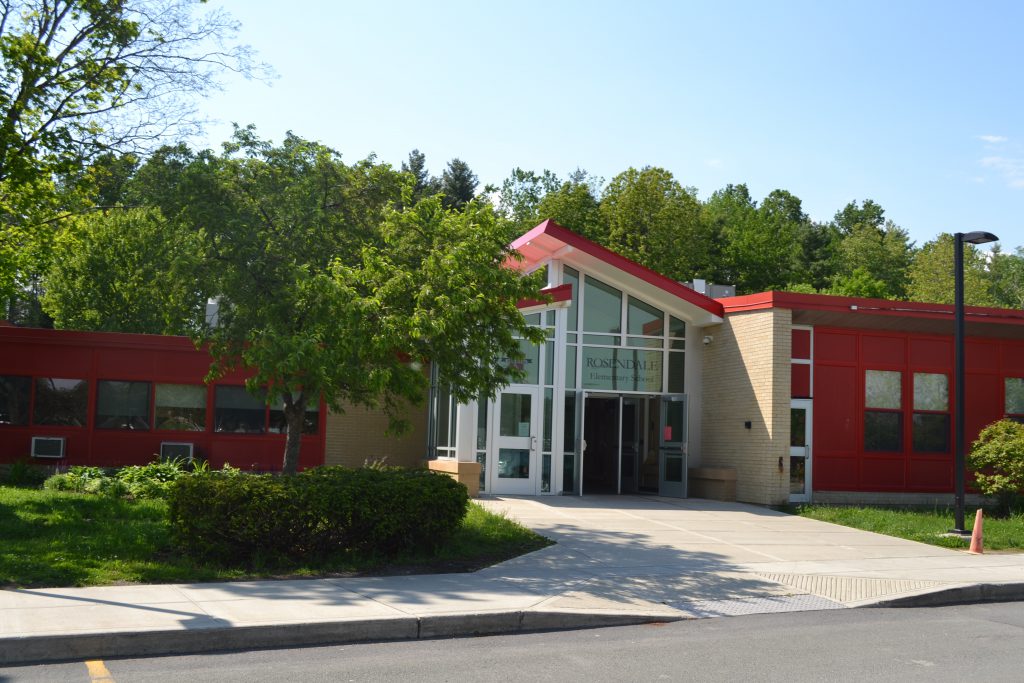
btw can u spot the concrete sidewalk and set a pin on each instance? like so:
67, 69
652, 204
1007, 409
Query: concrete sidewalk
618, 560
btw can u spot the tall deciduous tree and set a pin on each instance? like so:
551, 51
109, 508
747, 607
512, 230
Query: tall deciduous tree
127, 271
575, 205
82, 78
854, 214
931, 274
521, 194
318, 300
655, 221
883, 253
79, 78
1006, 273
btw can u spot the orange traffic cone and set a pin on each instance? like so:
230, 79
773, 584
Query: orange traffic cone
976, 535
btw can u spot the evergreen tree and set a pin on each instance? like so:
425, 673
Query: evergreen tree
458, 183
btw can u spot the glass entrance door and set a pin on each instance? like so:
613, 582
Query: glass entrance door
672, 447
800, 451
516, 428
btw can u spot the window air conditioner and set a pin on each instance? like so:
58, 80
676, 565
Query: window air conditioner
177, 450
48, 447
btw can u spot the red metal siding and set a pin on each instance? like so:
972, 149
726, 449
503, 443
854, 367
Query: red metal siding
841, 358
801, 344
96, 356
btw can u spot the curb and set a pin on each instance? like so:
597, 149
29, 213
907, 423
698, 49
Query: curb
78, 646
958, 595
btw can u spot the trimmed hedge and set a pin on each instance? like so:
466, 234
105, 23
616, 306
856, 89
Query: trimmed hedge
266, 519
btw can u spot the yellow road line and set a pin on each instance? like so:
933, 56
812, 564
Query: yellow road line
98, 672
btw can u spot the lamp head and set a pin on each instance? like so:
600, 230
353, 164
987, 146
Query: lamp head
978, 237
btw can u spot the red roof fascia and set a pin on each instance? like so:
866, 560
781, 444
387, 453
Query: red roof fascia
833, 303
105, 339
549, 227
558, 295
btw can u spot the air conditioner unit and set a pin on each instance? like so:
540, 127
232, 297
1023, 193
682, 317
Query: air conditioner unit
48, 447
177, 450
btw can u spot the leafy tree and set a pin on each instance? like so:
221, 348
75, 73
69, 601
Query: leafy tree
655, 221
852, 215
931, 274
997, 460
458, 184
521, 194
817, 255
127, 271
1006, 274
575, 205
884, 253
766, 257
317, 299
729, 212
860, 283
79, 78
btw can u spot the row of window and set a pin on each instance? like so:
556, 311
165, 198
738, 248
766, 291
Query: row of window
123, 405
930, 413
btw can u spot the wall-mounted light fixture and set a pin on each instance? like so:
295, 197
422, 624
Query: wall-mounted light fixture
708, 339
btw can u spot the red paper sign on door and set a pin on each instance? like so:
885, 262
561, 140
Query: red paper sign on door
667, 436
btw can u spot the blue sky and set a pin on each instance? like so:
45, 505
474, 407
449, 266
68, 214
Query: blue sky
917, 105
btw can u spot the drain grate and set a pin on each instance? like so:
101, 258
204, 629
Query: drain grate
845, 589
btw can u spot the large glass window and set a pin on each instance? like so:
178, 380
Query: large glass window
238, 411
310, 421
445, 420
621, 369
122, 405
644, 319
61, 402
180, 407
883, 431
570, 276
883, 389
14, 399
931, 416
602, 307
883, 426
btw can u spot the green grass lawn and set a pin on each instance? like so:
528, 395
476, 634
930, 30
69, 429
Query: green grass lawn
925, 526
50, 538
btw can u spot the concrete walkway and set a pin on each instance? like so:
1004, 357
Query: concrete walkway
618, 560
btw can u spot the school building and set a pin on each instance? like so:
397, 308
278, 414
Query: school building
644, 385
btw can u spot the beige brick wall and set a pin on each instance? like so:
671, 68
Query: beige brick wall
746, 377
358, 434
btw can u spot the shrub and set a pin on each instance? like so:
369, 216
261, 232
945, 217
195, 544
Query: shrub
106, 486
153, 480
266, 519
997, 458
25, 474
75, 479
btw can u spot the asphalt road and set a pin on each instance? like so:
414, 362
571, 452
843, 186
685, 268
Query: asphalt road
962, 643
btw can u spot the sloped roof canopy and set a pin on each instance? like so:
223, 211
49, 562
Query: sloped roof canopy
551, 241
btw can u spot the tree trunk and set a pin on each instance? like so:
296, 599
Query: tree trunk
294, 414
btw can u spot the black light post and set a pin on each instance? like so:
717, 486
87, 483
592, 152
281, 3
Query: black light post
958, 358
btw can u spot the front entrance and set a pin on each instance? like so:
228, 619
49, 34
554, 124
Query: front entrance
800, 451
516, 428
634, 444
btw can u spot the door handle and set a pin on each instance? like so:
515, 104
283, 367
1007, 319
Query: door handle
533, 443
